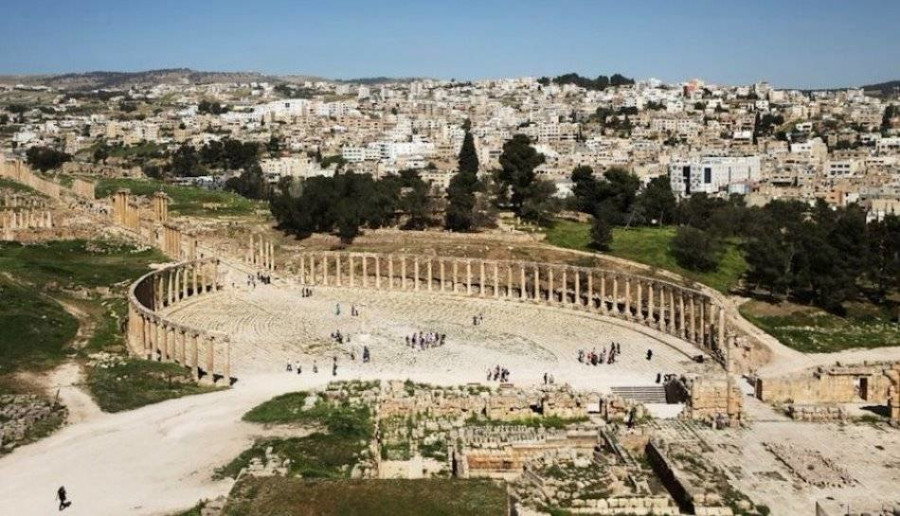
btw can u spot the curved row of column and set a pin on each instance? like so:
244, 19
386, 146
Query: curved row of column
154, 336
673, 309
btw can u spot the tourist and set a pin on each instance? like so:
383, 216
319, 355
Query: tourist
61, 495
289, 367
299, 368
315, 367
649, 354
545, 378
658, 377
337, 309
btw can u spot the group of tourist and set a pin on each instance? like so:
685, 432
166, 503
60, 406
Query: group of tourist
298, 367
340, 338
306, 292
264, 279
548, 379
426, 340
478, 319
593, 358
498, 373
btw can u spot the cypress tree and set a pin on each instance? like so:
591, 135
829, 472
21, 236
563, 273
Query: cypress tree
461, 192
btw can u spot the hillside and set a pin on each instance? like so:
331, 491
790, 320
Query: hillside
120, 80
884, 88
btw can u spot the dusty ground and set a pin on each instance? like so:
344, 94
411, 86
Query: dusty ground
271, 326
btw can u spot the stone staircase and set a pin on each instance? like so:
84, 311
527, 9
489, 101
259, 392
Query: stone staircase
643, 394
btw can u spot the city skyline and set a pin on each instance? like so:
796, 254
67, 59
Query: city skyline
800, 45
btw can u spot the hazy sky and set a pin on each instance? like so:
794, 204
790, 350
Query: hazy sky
791, 43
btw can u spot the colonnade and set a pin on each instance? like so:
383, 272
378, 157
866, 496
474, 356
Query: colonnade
153, 336
673, 309
260, 252
22, 219
124, 211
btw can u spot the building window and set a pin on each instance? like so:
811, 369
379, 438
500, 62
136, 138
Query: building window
707, 175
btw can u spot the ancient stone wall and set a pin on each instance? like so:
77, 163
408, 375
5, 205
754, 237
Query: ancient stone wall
19, 172
714, 400
838, 384
678, 311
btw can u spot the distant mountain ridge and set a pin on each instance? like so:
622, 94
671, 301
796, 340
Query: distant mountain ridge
96, 80
885, 88
120, 80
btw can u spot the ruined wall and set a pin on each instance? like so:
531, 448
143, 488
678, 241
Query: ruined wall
712, 399
837, 384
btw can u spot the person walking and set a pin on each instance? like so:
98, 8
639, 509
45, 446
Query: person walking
63, 498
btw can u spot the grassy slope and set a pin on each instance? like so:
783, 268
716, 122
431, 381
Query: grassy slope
140, 382
34, 329
77, 263
650, 246
186, 200
429, 497
811, 330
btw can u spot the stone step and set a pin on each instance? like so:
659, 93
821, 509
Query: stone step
642, 394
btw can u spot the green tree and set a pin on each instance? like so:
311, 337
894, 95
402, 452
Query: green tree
517, 175
601, 232
695, 250
46, 158
461, 191
657, 200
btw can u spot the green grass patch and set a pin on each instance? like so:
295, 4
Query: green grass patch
136, 383
34, 329
186, 200
81, 263
812, 330
343, 419
651, 246
317, 455
108, 335
534, 422
431, 497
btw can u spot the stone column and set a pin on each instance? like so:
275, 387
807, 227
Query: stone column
662, 308
615, 294
350, 270
551, 293
416, 273
443, 276
455, 274
692, 322
721, 327
590, 287
402, 272
210, 356
377, 272
195, 355
390, 258
496, 279
577, 286
651, 318
672, 311
194, 267
523, 288
468, 277
703, 322
364, 282
302, 276
430, 275
537, 282
509, 281
639, 309
627, 297
681, 332
564, 293
337, 269
228, 360
325, 269
481, 285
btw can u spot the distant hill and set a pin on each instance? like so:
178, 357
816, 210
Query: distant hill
122, 80
884, 88
379, 80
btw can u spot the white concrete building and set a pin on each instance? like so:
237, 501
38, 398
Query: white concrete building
713, 174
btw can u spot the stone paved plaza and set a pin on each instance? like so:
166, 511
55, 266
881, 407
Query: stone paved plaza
271, 325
